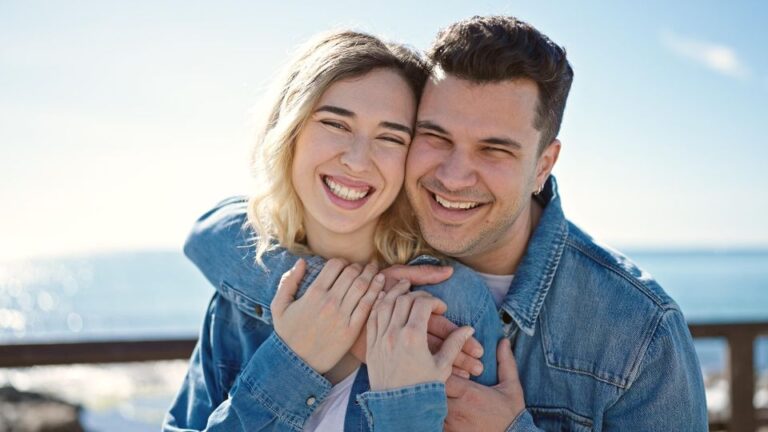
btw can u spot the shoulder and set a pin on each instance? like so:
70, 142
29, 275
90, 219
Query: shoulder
602, 312
611, 273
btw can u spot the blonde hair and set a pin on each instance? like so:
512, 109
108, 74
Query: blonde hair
274, 211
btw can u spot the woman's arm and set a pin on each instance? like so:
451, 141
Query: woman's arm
204, 403
281, 384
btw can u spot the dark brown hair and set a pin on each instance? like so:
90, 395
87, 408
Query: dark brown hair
498, 48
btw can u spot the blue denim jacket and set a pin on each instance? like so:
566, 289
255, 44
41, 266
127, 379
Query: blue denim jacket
242, 376
600, 346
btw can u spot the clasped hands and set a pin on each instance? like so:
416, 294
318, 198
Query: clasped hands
400, 334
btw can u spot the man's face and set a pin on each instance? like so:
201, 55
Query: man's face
473, 164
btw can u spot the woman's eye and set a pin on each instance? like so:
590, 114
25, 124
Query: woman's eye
333, 124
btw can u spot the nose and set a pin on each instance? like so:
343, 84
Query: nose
357, 155
455, 172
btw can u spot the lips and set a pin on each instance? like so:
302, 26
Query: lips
346, 193
455, 205
453, 211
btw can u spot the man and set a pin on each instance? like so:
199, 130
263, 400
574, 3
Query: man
599, 345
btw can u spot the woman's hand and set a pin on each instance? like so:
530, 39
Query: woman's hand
397, 351
439, 328
321, 326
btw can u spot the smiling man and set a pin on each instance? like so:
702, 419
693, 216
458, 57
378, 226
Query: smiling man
599, 344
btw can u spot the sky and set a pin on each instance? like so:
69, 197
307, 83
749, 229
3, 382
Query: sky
122, 122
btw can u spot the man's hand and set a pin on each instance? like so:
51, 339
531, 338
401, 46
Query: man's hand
475, 407
439, 327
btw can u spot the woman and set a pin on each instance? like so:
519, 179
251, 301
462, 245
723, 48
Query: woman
332, 158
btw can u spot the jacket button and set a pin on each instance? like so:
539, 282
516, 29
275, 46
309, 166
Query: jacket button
258, 310
311, 400
505, 317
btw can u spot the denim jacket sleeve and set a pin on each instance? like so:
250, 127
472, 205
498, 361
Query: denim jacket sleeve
667, 394
259, 400
420, 407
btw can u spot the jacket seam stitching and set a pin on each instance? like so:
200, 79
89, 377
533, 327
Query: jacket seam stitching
623, 274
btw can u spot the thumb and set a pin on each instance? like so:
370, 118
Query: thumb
289, 285
452, 347
507, 365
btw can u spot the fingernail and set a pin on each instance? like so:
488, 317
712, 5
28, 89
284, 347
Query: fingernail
477, 370
477, 352
379, 278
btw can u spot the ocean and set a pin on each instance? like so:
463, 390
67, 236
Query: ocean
159, 294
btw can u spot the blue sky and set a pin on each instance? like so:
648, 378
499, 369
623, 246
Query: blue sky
120, 123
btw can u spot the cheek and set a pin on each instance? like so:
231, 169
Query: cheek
420, 157
391, 163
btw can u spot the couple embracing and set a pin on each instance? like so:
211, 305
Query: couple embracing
406, 264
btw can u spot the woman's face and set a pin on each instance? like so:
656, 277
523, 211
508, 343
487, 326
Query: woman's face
349, 159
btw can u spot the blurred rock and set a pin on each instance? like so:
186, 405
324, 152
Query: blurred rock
33, 412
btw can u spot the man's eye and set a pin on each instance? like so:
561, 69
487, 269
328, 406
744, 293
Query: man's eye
392, 139
497, 151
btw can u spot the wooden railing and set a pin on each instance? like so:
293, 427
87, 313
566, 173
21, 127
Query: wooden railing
739, 336
740, 369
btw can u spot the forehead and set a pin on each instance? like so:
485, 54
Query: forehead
381, 91
481, 110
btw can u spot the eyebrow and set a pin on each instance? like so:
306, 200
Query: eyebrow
347, 113
502, 141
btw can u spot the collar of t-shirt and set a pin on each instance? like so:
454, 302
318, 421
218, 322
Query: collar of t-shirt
499, 286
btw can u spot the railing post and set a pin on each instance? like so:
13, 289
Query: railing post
741, 357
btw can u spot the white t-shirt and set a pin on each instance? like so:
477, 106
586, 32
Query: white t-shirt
498, 284
329, 415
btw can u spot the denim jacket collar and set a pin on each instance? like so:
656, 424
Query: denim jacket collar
536, 271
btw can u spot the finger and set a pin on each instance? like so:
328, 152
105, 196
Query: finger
421, 310
384, 307
419, 274
452, 347
455, 387
441, 327
359, 287
402, 310
328, 275
364, 306
344, 282
507, 368
464, 362
289, 285
461, 373
371, 331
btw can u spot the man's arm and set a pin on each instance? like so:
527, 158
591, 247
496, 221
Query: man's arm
668, 393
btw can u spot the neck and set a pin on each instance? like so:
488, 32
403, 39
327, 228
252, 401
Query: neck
505, 255
355, 247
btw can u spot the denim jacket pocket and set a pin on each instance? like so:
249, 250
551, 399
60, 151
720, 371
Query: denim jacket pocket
554, 419
245, 304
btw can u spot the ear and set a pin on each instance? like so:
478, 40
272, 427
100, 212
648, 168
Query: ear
546, 162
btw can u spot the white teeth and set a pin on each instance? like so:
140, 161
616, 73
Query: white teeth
345, 192
455, 204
